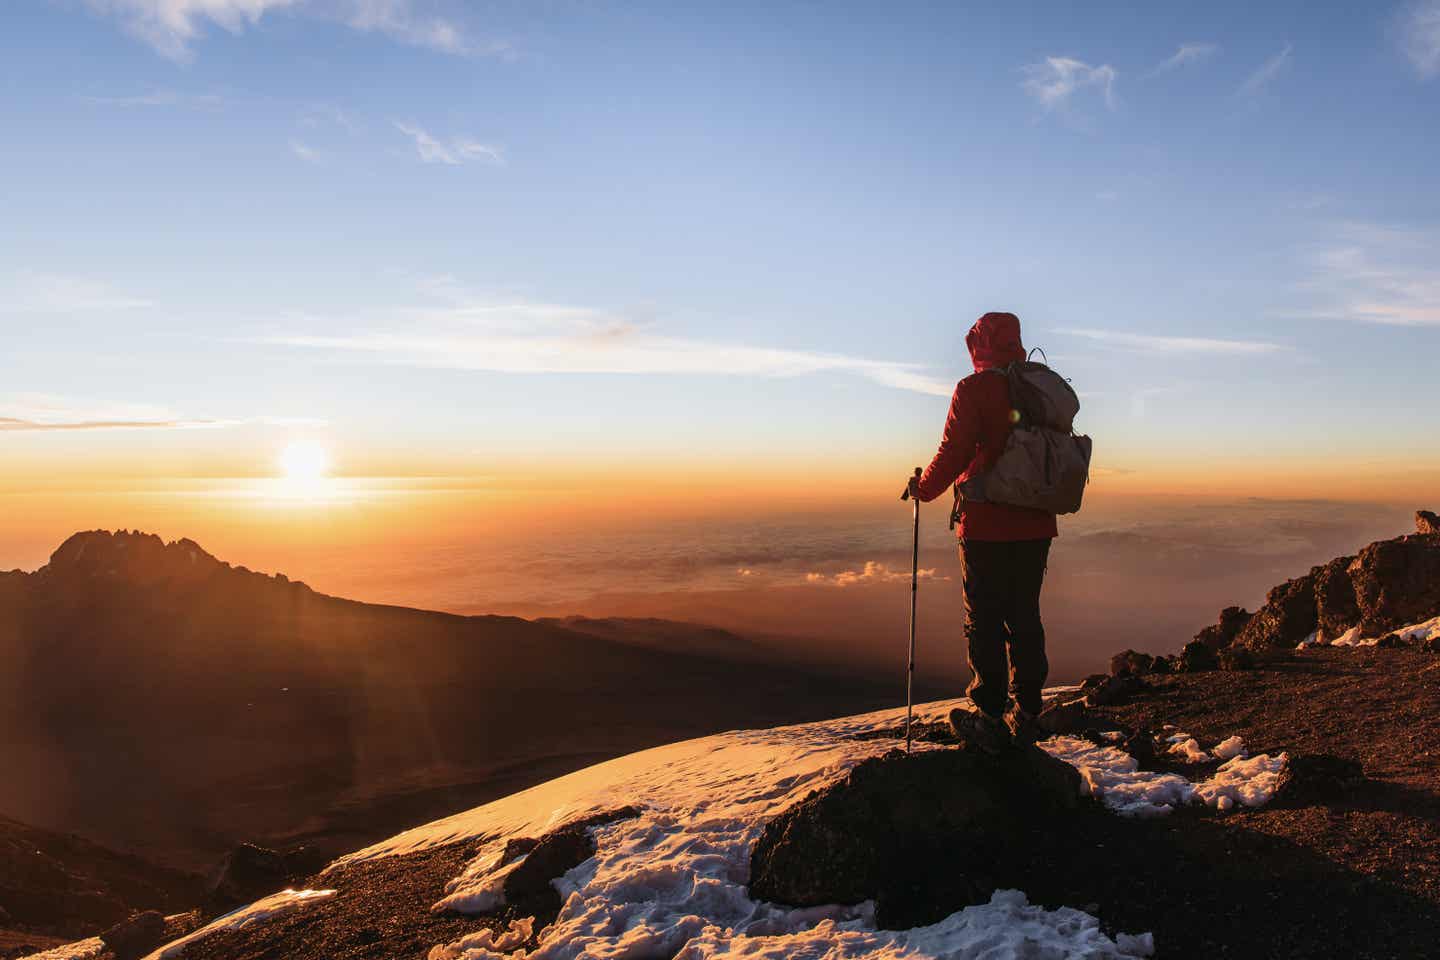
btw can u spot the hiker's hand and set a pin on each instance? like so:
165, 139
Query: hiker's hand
912, 486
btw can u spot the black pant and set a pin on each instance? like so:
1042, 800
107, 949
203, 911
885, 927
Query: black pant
1002, 611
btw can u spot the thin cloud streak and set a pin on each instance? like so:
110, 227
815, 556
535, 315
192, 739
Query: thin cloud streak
34, 291
454, 153
1374, 273
43, 412
1147, 343
306, 153
1186, 54
538, 338
1054, 80
1419, 33
1266, 72
172, 27
158, 98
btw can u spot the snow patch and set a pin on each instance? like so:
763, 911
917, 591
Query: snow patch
486, 943
1113, 776
258, 912
1189, 748
1249, 782
1008, 926
1415, 633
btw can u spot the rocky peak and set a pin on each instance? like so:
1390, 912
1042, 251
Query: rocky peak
128, 555
1427, 523
1388, 584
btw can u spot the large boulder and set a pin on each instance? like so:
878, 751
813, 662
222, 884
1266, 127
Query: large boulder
878, 832
135, 937
1131, 662
1397, 583
1220, 635
247, 873
1287, 617
1336, 609
1197, 658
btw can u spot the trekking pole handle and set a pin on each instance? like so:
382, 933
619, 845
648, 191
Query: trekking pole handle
906, 494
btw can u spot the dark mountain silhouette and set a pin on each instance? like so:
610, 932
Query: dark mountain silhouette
159, 700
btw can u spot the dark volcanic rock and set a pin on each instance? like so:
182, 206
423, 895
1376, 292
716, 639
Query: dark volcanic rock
1113, 690
137, 936
1426, 522
1317, 778
1222, 634
1062, 717
1397, 582
1287, 617
1235, 658
1431, 645
556, 853
1336, 609
1197, 657
962, 811
247, 873
1131, 662
1141, 746
1391, 641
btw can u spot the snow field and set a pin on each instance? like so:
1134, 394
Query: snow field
673, 881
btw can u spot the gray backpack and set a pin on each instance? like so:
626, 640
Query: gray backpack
1044, 465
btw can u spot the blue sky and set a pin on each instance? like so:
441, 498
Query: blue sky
448, 232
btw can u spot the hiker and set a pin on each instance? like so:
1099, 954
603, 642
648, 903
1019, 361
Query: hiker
1003, 548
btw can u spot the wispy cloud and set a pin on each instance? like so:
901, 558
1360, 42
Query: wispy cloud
172, 27
1266, 72
1054, 80
158, 98
307, 153
33, 291
508, 336
1186, 54
1147, 343
1418, 31
44, 412
1374, 273
452, 152
872, 572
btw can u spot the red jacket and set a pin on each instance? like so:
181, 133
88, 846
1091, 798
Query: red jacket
975, 434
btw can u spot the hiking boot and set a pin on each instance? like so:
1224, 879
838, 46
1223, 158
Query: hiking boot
1022, 726
979, 729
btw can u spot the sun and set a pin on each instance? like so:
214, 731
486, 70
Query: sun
303, 462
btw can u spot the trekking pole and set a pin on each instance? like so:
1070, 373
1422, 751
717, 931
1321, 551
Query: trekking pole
914, 588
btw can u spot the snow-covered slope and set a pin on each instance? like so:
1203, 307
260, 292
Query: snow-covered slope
673, 880
670, 877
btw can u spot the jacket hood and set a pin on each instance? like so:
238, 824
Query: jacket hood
994, 341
